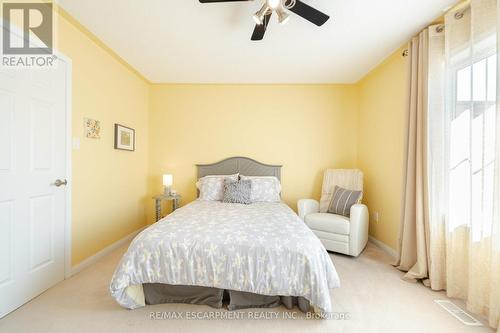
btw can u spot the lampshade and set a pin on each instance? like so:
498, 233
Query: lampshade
283, 16
274, 3
168, 180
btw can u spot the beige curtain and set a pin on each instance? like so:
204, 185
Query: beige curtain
414, 234
450, 233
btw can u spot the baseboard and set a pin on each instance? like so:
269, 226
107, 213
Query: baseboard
387, 249
107, 250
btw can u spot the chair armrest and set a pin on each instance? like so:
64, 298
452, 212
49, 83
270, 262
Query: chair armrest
307, 206
358, 234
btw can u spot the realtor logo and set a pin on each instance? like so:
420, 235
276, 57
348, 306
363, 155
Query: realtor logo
36, 18
28, 35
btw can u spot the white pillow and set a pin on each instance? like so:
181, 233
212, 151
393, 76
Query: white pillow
264, 189
212, 187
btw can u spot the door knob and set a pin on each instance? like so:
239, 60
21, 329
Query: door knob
60, 182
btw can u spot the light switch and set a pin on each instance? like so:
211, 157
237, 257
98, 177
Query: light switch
76, 143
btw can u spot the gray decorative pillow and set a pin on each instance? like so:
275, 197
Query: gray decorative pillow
343, 200
237, 191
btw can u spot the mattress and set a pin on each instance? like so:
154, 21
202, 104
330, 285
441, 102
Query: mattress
262, 248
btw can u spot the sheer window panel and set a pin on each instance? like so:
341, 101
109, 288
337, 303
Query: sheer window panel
492, 79
490, 134
488, 202
464, 84
460, 196
460, 139
477, 143
477, 206
470, 262
479, 80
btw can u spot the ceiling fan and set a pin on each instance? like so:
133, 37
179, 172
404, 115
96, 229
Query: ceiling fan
280, 7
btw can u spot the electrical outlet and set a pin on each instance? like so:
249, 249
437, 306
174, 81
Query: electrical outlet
375, 216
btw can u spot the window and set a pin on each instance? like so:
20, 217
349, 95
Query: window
472, 145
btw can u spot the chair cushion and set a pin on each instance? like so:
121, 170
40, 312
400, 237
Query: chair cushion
338, 238
328, 222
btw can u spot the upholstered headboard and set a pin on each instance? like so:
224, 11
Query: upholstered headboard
243, 165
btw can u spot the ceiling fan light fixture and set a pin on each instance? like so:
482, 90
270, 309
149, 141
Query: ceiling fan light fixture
273, 4
261, 14
283, 16
283, 9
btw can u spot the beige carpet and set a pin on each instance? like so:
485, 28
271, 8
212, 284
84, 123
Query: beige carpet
372, 292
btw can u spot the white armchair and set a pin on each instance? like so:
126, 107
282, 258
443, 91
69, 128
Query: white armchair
347, 235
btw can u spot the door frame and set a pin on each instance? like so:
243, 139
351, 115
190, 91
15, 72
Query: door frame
69, 145
69, 149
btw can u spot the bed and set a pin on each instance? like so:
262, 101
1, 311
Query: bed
257, 255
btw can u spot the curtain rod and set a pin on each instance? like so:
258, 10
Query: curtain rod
439, 29
459, 14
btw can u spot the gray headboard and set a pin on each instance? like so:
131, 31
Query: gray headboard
243, 165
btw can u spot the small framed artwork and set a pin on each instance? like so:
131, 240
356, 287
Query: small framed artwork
92, 128
124, 138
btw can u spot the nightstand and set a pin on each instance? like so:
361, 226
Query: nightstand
176, 200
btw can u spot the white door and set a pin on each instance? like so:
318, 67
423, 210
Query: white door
32, 157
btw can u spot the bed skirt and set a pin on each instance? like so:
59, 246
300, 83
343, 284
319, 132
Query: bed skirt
158, 293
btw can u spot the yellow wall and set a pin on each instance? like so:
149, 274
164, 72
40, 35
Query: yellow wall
109, 186
307, 128
382, 138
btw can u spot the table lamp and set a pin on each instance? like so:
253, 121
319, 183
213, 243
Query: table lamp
167, 183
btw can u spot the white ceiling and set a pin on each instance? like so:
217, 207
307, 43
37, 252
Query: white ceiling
184, 41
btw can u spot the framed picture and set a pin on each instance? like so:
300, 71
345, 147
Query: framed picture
92, 128
124, 138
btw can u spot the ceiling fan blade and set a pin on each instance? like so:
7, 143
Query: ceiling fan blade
309, 13
210, 1
260, 29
